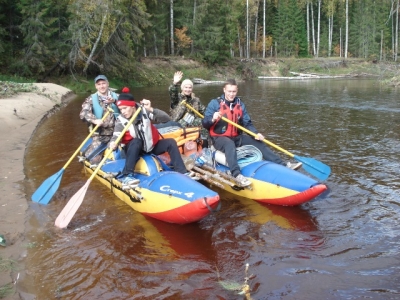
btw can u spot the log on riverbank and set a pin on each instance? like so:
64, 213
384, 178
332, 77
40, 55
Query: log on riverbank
305, 76
202, 81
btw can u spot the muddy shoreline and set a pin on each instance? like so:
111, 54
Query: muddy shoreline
22, 114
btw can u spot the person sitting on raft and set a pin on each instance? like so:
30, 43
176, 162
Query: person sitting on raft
93, 109
226, 137
179, 112
141, 137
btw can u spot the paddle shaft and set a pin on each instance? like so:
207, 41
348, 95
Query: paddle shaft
241, 128
116, 142
109, 110
74, 203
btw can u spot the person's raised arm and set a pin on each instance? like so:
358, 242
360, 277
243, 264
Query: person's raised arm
177, 77
174, 89
147, 105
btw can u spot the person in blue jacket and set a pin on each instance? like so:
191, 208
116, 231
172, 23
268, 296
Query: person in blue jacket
225, 137
93, 109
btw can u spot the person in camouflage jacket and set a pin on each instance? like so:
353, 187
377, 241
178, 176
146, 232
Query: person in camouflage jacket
92, 113
179, 112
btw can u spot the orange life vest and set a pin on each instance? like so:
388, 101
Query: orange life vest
183, 135
234, 113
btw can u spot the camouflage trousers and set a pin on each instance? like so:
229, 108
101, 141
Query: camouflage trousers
94, 153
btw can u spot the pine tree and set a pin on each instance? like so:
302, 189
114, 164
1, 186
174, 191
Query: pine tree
290, 33
214, 31
368, 18
157, 35
11, 38
41, 30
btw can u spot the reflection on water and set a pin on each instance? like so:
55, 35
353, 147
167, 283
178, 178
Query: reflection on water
342, 245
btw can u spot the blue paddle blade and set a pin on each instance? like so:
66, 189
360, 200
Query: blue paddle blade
48, 188
314, 167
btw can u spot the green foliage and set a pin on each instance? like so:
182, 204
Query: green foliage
15, 78
80, 84
84, 38
290, 33
40, 27
213, 34
366, 29
7, 265
10, 35
7, 290
157, 37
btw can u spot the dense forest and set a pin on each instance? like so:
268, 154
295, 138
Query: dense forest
83, 37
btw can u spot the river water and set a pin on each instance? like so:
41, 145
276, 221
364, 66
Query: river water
342, 245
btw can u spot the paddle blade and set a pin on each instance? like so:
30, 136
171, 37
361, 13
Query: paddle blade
48, 188
71, 208
314, 167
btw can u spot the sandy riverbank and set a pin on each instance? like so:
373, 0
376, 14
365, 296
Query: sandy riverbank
21, 115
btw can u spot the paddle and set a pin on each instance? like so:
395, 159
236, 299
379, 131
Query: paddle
311, 165
75, 202
48, 188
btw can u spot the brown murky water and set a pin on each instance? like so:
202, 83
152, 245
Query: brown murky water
342, 245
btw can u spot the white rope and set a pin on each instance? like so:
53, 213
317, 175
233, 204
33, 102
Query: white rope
246, 155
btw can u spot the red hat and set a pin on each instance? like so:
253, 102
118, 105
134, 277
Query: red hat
125, 98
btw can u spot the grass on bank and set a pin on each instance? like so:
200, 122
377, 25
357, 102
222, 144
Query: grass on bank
7, 265
9, 288
10, 87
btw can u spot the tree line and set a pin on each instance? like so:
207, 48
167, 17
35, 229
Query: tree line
40, 37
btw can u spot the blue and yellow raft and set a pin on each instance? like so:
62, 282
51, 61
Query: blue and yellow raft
161, 194
271, 183
275, 184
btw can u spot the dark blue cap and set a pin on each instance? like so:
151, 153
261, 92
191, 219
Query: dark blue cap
100, 77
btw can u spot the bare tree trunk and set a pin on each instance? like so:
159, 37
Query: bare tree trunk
155, 45
329, 36
89, 59
330, 31
381, 54
239, 45
194, 22
255, 34
172, 27
308, 26
247, 31
264, 13
396, 44
340, 43
347, 30
313, 30
144, 47
319, 26
391, 15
